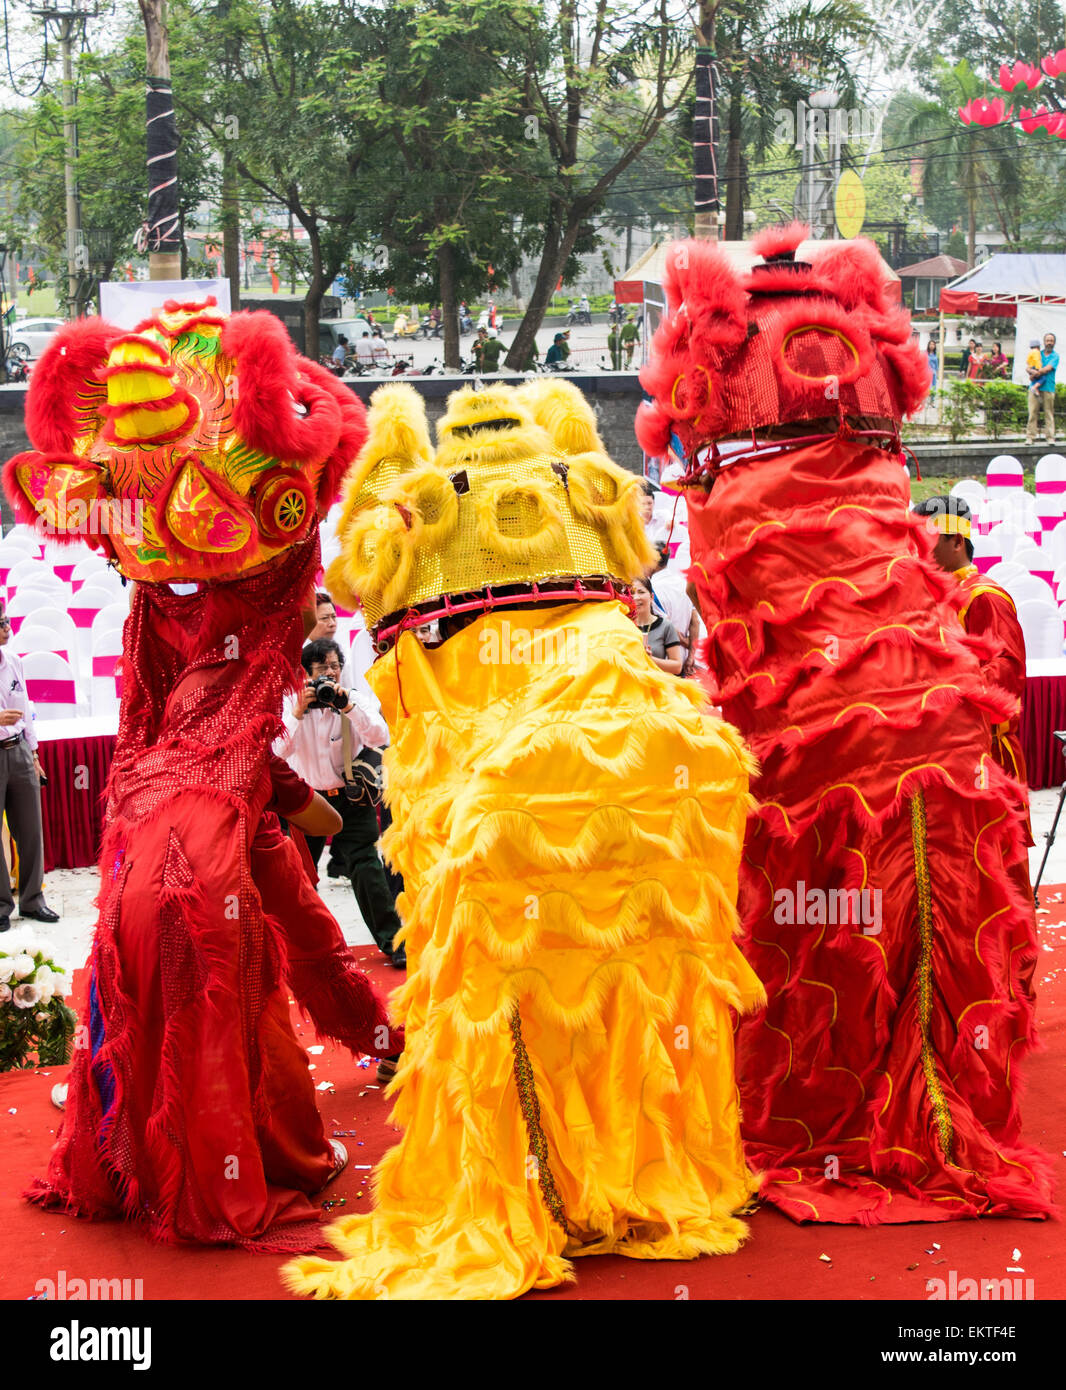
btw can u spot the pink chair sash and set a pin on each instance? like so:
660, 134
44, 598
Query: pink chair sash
1004, 480
17, 619
64, 572
1051, 485
83, 617
51, 692
105, 665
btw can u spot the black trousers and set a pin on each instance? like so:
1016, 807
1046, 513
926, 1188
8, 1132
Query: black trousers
354, 850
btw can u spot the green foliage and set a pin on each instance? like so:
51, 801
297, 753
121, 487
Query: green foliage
961, 404
1006, 407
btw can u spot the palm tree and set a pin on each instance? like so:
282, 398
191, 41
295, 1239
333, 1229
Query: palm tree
979, 160
769, 57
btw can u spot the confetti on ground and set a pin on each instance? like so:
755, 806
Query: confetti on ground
316, 1051
325, 1086
827, 1258
914, 1266
366, 1166
1015, 1255
12, 1111
363, 1062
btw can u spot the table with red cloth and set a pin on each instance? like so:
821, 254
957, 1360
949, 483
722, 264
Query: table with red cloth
1044, 711
76, 757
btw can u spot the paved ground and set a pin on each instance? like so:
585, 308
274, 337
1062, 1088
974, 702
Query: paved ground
588, 346
71, 891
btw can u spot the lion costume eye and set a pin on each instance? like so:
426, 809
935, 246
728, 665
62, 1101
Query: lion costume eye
430, 493
379, 554
520, 520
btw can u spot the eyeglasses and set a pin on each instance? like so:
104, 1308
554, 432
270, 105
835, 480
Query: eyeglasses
331, 667
5, 622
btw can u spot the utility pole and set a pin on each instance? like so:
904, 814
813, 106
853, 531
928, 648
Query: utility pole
68, 20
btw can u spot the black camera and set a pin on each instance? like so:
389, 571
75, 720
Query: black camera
328, 694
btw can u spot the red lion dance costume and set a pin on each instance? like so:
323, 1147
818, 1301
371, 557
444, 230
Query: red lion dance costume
193, 1110
877, 897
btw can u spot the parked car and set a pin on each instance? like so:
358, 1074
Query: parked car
329, 330
29, 337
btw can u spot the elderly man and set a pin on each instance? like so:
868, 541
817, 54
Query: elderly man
20, 790
1042, 389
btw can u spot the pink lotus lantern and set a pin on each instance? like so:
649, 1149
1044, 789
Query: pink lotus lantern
1021, 74
1055, 63
978, 111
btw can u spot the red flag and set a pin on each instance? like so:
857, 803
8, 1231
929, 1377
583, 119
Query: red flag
129, 270
559, 285
275, 283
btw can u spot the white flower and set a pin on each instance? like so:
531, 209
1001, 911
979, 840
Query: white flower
5, 993
26, 996
23, 965
60, 985
44, 948
45, 981
42, 1018
7, 969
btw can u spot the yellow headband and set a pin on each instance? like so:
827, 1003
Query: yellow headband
950, 525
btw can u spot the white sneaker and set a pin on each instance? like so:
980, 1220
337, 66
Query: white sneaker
59, 1095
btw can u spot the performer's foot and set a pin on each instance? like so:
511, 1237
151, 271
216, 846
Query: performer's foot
340, 1160
387, 1067
334, 870
59, 1095
398, 959
43, 914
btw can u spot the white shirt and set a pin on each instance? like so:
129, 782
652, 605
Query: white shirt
313, 746
669, 588
364, 351
379, 351
13, 696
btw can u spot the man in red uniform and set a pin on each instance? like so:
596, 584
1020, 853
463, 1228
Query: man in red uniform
986, 611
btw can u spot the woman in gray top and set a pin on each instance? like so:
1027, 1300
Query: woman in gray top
661, 641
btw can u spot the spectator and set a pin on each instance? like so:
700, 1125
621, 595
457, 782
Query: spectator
661, 641
586, 309
976, 362
380, 352
934, 363
614, 346
340, 355
313, 747
967, 353
996, 363
630, 335
1042, 388
558, 352
487, 352
654, 529
20, 790
671, 598
364, 351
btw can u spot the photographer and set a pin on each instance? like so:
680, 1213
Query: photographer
314, 749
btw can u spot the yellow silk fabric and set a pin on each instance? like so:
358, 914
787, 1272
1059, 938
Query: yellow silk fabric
569, 826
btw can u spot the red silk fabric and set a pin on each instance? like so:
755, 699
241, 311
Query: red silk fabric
880, 1084
72, 804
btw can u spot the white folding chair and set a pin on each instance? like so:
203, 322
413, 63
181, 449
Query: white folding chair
27, 568
34, 637
90, 566
105, 686
15, 547
987, 549
50, 685
1004, 471
29, 601
1053, 545
1006, 569
1032, 558
972, 492
1042, 628
1024, 586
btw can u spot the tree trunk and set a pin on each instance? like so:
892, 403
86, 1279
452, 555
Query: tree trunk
230, 221
734, 183
558, 243
449, 299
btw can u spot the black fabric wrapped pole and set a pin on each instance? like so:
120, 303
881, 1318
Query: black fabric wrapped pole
163, 217
705, 135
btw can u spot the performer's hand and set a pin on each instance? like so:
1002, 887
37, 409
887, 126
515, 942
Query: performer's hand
10, 716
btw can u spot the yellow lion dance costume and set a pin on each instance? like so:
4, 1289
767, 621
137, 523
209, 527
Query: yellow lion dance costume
568, 823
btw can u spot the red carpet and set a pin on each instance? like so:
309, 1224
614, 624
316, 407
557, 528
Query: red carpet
780, 1261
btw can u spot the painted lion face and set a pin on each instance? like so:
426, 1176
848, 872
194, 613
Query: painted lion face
200, 446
